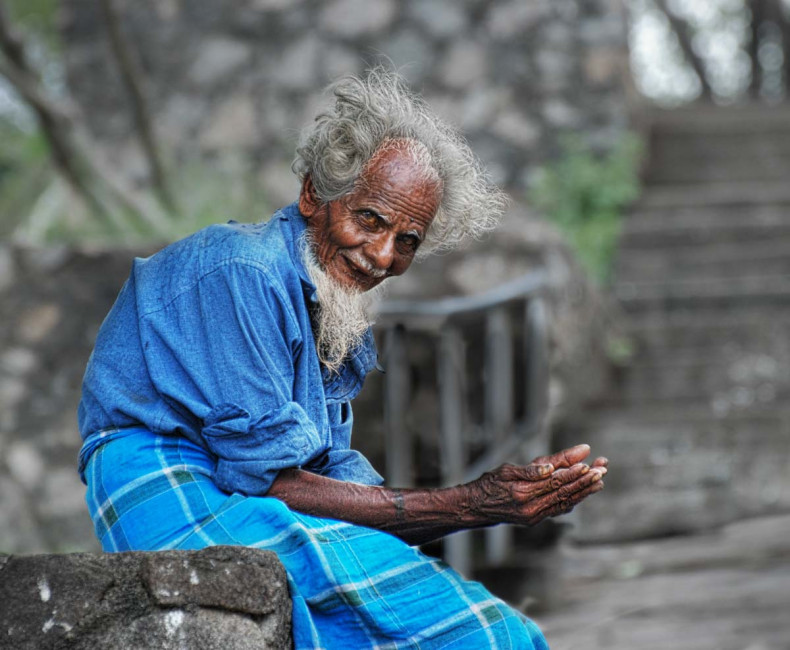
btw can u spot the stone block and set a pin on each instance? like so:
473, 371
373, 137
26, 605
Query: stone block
603, 65
38, 322
25, 463
224, 598
465, 63
516, 128
410, 53
19, 532
354, 18
297, 67
217, 58
439, 18
233, 124
560, 113
510, 19
280, 185
231, 578
274, 5
337, 60
18, 361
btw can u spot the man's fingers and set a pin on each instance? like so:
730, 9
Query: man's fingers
566, 457
561, 479
532, 472
557, 503
601, 461
537, 472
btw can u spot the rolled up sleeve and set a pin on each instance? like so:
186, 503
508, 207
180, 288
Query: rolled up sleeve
250, 452
341, 462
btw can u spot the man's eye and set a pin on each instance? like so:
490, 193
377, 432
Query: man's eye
369, 218
410, 242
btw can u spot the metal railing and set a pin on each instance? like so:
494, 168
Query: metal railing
516, 305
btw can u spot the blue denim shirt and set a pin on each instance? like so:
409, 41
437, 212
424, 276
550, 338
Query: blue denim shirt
211, 339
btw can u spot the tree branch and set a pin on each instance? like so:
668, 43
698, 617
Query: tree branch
133, 80
76, 161
758, 11
681, 29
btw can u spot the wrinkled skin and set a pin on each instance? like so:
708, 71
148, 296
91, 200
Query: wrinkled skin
360, 239
547, 487
522, 495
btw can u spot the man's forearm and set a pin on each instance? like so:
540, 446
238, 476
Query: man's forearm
522, 495
414, 515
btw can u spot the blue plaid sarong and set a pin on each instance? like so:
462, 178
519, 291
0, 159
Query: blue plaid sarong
351, 586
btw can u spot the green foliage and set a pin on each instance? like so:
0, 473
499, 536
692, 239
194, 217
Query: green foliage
584, 194
25, 171
36, 17
216, 192
208, 192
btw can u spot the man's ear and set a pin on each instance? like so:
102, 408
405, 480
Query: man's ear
308, 199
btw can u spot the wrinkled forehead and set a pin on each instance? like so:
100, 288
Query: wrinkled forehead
401, 159
402, 155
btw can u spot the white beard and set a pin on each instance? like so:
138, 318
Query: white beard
342, 316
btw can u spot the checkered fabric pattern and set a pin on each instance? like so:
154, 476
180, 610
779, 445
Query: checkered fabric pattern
351, 586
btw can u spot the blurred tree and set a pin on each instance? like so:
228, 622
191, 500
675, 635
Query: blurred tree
684, 34
133, 81
109, 197
767, 38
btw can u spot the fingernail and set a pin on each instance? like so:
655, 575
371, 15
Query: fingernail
585, 469
597, 477
545, 470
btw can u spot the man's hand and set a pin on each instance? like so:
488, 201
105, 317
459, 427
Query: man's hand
549, 486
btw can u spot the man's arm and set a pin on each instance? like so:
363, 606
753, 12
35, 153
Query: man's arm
549, 486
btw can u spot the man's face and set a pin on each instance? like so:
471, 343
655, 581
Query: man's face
373, 232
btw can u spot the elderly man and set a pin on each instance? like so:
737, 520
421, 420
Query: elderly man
216, 410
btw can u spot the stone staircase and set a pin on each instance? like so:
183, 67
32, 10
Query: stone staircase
698, 430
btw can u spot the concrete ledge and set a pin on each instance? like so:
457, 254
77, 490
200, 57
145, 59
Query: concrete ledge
223, 597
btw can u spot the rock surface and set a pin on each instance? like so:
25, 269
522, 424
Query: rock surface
552, 64
224, 598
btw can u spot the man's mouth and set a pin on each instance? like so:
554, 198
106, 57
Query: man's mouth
362, 274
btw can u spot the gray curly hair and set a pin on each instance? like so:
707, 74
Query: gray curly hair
368, 112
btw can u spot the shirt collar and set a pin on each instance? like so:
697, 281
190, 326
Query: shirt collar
346, 384
296, 226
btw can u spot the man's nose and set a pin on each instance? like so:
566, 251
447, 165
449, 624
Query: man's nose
382, 251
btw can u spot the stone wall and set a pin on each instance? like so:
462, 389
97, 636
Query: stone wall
240, 78
52, 302
221, 598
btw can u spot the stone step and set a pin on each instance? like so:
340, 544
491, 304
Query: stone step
734, 373
651, 513
695, 195
751, 118
714, 333
646, 228
687, 460
763, 385
696, 261
731, 146
679, 165
707, 293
